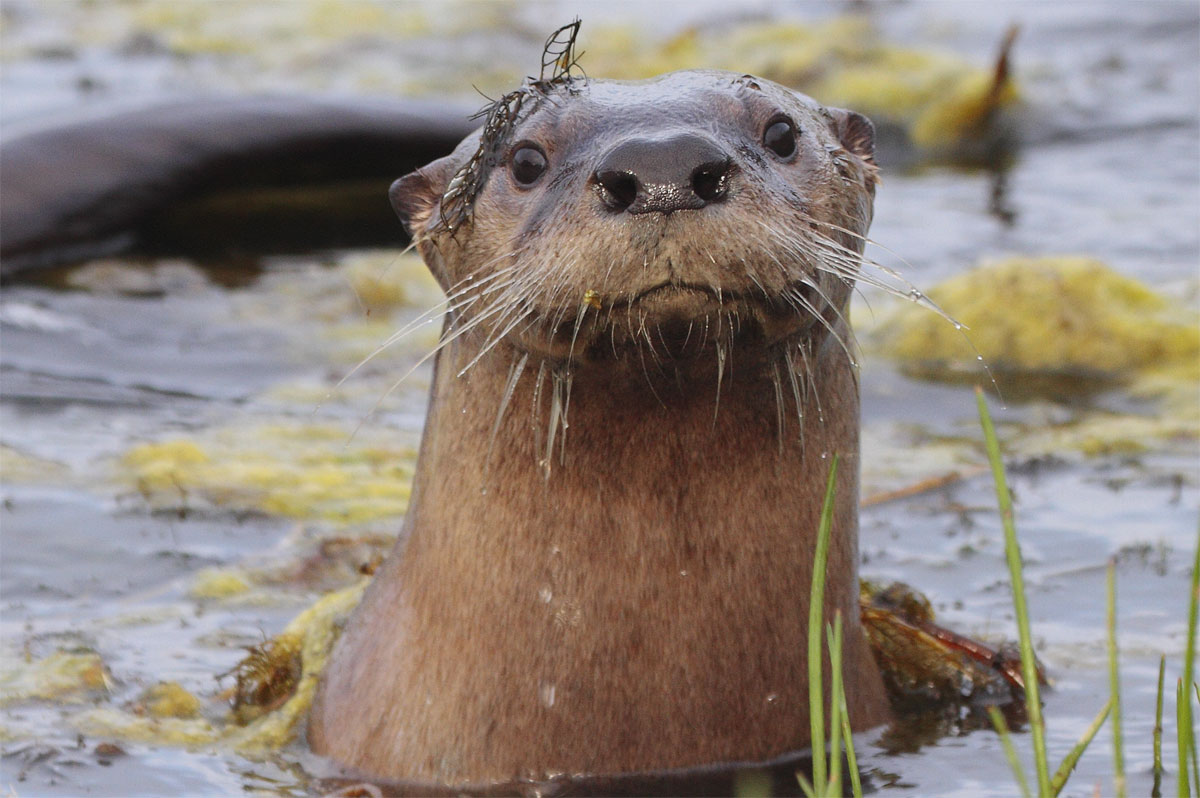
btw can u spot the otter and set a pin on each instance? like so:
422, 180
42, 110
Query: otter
646, 373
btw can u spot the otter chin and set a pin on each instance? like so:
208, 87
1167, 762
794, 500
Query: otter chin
645, 374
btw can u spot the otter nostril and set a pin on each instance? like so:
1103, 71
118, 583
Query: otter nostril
708, 180
621, 188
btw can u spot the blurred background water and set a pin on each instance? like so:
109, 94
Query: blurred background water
293, 479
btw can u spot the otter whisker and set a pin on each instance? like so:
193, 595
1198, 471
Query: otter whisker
556, 420
801, 302
810, 378
568, 381
450, 304
777, 384
525, 315
452, 332
536, 406
790, 366
720, 375
510, 386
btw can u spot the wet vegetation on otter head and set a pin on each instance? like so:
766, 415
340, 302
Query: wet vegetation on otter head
558, 59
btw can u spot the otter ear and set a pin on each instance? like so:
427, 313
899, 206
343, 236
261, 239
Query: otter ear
415, 196
855, 132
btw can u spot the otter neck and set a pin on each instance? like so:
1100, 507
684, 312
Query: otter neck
643, 607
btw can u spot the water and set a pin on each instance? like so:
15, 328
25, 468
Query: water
1109, 168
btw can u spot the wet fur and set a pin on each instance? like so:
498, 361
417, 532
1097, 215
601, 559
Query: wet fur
606, 560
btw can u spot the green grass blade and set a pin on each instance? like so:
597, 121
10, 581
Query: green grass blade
834, 636
1187, 733
1033, 701
1156, 790
805, 786
1114, 681
816, 611
1009, 750
1068, 764
1183, 788
851, 757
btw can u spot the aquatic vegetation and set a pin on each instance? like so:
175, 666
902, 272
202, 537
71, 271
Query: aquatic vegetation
1052, 785
64, 677
274, 688
1056, 314
193, 29
297, 470
167, 700
218, 583
17, 466
1068, 323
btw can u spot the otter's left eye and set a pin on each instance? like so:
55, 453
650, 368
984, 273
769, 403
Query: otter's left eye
527, 165
780, 137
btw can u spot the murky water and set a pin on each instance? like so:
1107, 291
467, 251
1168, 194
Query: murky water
94, 559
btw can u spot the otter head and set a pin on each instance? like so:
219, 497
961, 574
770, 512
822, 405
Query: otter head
695, 210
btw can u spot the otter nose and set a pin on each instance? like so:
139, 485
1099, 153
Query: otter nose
671, 173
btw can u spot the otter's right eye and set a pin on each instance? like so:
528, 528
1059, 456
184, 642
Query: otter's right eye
780, 137
527, 165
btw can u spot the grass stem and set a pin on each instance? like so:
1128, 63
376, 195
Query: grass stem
1069, 761
834, 635
1010, 750
851, 758
1183, 710
1029, 673
816, 618
1114, 681
1156, 789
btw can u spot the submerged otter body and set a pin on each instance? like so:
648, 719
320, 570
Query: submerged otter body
606, 562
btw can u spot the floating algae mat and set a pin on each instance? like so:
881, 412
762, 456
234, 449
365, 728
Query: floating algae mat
1063, 315
303, 471
1058, 327
268, 710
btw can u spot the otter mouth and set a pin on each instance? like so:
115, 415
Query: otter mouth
682, 322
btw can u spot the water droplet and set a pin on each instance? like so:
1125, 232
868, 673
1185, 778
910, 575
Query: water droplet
545, 594
546, 694
772, 698
683, 572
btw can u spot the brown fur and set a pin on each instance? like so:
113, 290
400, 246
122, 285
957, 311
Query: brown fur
638, 600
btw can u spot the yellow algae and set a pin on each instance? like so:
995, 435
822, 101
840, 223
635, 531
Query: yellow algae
1065, 315
63, 676
285, 701
1111, 434
961, 110
18, 466
217, 583
302, 471
384, 281
168, 700
339, 19
247, 26
318, 628
110, 722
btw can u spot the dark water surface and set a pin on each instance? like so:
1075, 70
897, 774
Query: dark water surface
1110, 168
